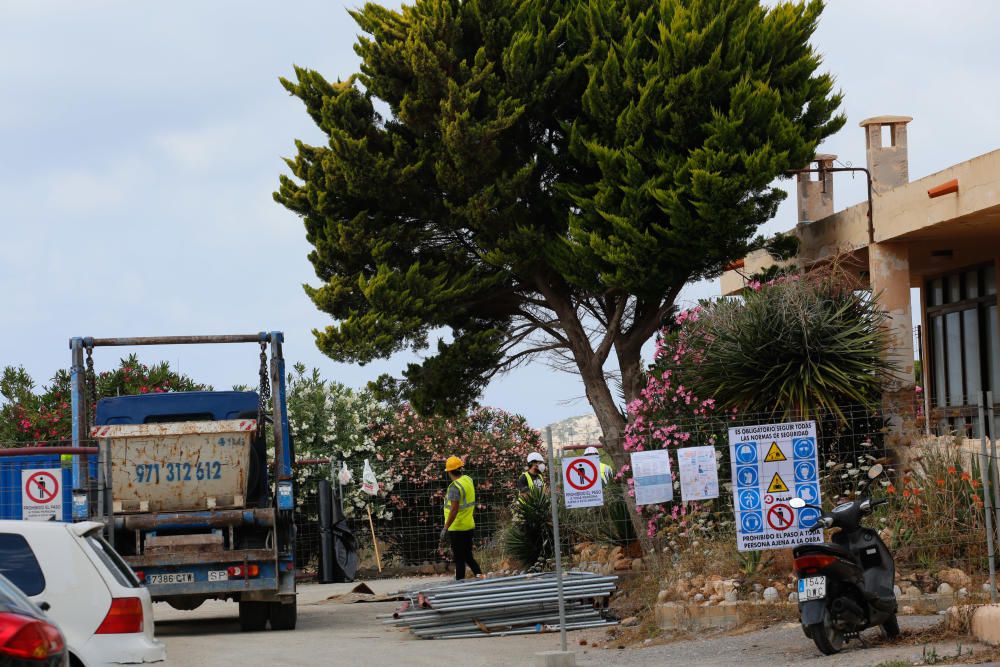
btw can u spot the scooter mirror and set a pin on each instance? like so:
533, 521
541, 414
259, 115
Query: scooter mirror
797, 503
875, 471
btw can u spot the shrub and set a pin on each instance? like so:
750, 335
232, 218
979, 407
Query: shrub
529, 536
791, 349
412, 450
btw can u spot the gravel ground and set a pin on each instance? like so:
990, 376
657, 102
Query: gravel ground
331, 632
782, 644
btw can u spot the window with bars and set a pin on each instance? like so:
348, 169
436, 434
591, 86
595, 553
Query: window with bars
963, 346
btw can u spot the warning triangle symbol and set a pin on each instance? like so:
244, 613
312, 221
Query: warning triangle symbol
777, 485
774, 454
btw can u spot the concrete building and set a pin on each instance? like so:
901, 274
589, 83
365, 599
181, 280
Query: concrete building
939, 234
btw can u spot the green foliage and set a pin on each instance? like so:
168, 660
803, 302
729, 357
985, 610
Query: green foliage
530, 534
30, 416
792, 349
544, 161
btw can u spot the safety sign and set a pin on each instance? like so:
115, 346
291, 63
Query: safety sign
773, 463
654, 482
582, 483
699, 476
41, 495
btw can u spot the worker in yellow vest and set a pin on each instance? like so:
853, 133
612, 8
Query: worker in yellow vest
460, 503
606, 470
532, 477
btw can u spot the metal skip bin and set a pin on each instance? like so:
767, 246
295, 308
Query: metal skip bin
178, 466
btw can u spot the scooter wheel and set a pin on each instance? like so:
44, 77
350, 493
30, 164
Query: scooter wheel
828, 639
890, 629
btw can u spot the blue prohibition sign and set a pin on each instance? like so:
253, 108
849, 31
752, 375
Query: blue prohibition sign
746, 452
751, 522
808, 493
805, 471
746, 476
804, 448
749, 499
808, 517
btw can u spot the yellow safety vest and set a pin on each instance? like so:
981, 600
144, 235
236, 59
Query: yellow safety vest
605, 473
531, 480
466, 504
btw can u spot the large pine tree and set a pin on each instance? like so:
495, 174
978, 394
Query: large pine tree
544, 176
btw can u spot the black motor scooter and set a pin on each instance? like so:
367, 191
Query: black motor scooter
846, 586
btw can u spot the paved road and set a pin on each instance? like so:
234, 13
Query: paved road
331, 632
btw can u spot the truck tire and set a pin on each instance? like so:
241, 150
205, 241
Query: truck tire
253, 616
284, 616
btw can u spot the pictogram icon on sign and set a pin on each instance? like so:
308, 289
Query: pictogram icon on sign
807, 492
42, 487
777, 485
751, 522
805, 471
582, 475
746, 476
780, 517
808, 517
749, 499
803, 448
774, 453
746, 452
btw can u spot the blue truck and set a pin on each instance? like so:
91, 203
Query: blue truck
195, 488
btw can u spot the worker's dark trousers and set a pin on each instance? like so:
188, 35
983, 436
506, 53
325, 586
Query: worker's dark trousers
461, 550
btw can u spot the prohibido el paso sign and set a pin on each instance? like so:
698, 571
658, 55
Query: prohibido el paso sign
771, 464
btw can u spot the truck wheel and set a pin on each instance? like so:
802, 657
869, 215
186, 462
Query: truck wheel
284, 616
253, 616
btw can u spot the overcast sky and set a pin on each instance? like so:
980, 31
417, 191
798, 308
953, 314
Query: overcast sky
141, 143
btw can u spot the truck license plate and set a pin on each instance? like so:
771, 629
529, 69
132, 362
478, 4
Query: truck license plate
812, 588
170, 578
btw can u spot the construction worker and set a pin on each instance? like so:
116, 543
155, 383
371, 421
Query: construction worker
532, 477
460, 503
606, 470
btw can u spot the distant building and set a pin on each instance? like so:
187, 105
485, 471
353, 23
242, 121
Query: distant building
940, 234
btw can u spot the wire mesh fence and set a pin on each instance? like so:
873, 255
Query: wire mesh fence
934, 523
942, 492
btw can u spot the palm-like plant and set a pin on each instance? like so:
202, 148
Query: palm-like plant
529, 535
792, 349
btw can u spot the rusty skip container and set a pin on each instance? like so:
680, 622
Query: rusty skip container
179, 466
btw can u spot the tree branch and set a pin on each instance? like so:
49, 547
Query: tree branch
611, 333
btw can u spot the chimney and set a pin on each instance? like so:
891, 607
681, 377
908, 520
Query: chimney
886, 150
815, 190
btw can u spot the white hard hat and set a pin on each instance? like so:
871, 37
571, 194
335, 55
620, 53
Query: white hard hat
591, 451
535, 456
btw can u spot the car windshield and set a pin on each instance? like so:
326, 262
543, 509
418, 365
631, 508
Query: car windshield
13, 600
119, 568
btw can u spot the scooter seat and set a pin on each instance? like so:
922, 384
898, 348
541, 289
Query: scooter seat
825, 548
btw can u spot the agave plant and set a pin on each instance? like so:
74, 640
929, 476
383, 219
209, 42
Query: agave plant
529, 535
791, 349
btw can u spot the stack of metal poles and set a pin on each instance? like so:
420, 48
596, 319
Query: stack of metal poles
501, 606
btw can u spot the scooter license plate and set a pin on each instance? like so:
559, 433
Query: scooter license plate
812, 588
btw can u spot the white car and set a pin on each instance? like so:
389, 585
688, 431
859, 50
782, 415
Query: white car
85, 587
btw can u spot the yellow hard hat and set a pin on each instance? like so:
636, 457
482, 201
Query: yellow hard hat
453, 463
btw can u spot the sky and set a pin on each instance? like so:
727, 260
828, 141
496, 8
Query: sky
141, 143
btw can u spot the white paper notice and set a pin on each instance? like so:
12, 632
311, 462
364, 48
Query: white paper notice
699, 475
653, 482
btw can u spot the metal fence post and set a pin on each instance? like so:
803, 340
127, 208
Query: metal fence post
985, 469
555, 535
